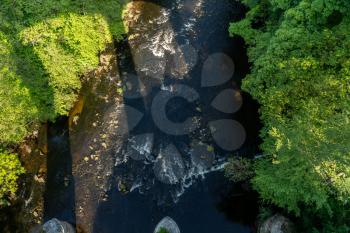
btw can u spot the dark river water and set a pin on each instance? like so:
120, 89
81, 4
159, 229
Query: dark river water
154, 127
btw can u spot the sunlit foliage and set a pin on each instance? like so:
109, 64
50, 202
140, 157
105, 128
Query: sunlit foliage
10, 170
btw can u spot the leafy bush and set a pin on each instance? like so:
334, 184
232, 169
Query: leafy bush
300, 55
239, 169
17, 108
323, 222
10, 170
67, 47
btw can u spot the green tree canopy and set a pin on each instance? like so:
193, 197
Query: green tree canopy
300, 55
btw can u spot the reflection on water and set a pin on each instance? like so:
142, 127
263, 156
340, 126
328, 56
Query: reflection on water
158, 117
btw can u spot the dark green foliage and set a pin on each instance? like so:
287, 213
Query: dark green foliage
321, 222
264, 214
300, 55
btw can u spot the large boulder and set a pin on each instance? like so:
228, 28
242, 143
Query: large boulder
277, 224
56, 226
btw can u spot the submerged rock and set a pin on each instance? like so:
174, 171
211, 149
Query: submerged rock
277, 224
202, 157
140, 147
54, 226
169, 224
169, 167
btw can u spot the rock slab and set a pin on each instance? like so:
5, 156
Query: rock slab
56, 226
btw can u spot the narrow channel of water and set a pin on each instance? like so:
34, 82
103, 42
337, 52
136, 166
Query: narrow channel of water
155, 125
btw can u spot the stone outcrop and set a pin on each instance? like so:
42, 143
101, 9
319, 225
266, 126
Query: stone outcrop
55, 226
277, 224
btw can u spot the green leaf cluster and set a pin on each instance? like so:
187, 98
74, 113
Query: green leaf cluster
300, 56
10, 170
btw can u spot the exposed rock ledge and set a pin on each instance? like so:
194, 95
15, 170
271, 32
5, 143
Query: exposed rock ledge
54, 226
277, 224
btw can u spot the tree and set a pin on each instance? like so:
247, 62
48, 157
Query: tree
300, 55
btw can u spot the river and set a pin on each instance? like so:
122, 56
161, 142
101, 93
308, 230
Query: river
154, 126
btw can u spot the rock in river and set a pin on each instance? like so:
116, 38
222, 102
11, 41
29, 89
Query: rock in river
169, 167
55, 226
169, 224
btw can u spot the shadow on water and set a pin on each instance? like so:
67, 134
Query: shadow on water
213, 37
59, 197
121, 213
